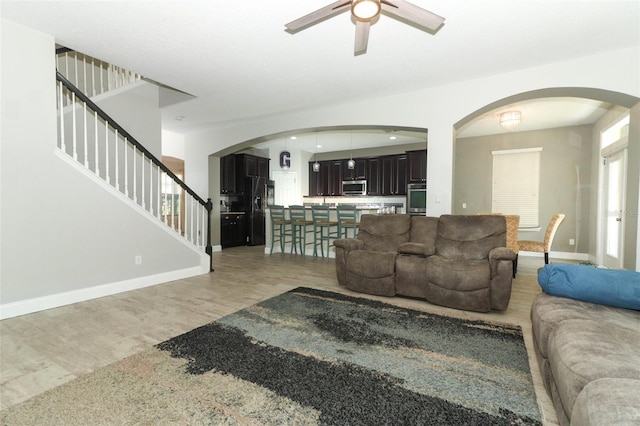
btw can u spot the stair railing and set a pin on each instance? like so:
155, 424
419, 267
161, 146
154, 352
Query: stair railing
90, 75
93, 139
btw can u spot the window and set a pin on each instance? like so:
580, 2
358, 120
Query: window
617, 132
516, 184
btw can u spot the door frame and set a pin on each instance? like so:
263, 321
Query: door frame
618, 147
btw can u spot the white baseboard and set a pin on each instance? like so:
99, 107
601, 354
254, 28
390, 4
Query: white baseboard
23, 307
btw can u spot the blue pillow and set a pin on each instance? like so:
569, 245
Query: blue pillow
613, 287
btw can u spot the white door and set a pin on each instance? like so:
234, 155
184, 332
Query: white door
614, 172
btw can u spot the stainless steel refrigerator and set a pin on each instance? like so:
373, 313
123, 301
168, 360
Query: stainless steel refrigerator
255, 209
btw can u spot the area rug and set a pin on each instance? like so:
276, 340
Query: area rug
309, 357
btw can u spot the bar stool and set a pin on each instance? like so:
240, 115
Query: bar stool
299, 222
279, 224
322, 226
347, 219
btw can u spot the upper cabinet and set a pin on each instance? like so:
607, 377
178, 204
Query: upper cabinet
393, 176
235, 167
228, 174
417, 166
358, 172
386, 175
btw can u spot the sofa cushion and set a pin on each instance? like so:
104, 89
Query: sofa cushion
416, 249
620, 288
455, 275
469, 237
608, 402
384, 232
547, 312
424, 230
581, 351
371, 264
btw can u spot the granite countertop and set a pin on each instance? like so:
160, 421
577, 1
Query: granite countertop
223, 212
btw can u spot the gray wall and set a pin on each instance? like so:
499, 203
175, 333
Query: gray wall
564, 151
61, 232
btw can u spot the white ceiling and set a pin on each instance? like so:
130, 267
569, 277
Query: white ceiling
237, 60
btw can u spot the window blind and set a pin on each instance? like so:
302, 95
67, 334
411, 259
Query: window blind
516, 184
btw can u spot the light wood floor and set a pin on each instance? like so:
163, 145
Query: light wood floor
45, 349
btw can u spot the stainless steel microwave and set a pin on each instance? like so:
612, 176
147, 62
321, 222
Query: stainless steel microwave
354, 187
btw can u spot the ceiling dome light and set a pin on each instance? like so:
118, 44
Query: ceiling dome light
510, 119
365, 10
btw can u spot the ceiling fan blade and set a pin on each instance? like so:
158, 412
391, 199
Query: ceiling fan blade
318, 16
412, 13
362, 37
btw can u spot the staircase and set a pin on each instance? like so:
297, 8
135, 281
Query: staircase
92, 139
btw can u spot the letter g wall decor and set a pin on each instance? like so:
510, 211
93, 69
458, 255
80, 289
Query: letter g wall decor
285, 159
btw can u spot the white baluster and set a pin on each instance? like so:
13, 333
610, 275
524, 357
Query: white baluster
203, 228
75, 67
63, 145
93, 77
159, 200
86, 153
84, 73
179, 193
101, 78
144, 202
135, 176
116, 158
106, 151
150, 186
73, 126
126, 167
96, 152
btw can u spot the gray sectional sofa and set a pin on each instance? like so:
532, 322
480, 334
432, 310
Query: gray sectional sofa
589, 357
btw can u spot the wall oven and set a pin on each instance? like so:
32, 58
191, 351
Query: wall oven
354, 187
417, 199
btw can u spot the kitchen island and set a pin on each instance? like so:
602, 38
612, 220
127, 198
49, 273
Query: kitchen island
363, 206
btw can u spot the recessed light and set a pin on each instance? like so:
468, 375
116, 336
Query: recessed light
180, 117
293, 138
318, 146
393, 138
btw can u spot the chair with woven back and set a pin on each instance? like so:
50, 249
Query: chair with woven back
543, 246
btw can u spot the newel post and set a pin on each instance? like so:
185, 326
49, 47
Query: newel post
209, 249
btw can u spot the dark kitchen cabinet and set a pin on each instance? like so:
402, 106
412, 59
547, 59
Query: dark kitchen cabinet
335, 178
374, 169
263, 167
248, 165
417, 166
393, 175
232, 230
228, 174
359, 171
319, 181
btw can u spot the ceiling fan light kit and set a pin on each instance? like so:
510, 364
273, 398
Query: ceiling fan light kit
364, 12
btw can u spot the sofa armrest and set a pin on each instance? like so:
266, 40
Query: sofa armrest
501, 253
349, 244
417, 249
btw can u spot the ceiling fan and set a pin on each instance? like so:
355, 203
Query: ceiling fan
366, 11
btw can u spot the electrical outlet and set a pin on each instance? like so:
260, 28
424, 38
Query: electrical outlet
464, 205
138, 260
572, 242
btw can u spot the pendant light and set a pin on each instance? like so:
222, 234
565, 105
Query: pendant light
316, 165
351, 164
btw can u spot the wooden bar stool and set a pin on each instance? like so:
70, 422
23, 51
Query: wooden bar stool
322, 229
279, 225
299, 222
347, 219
